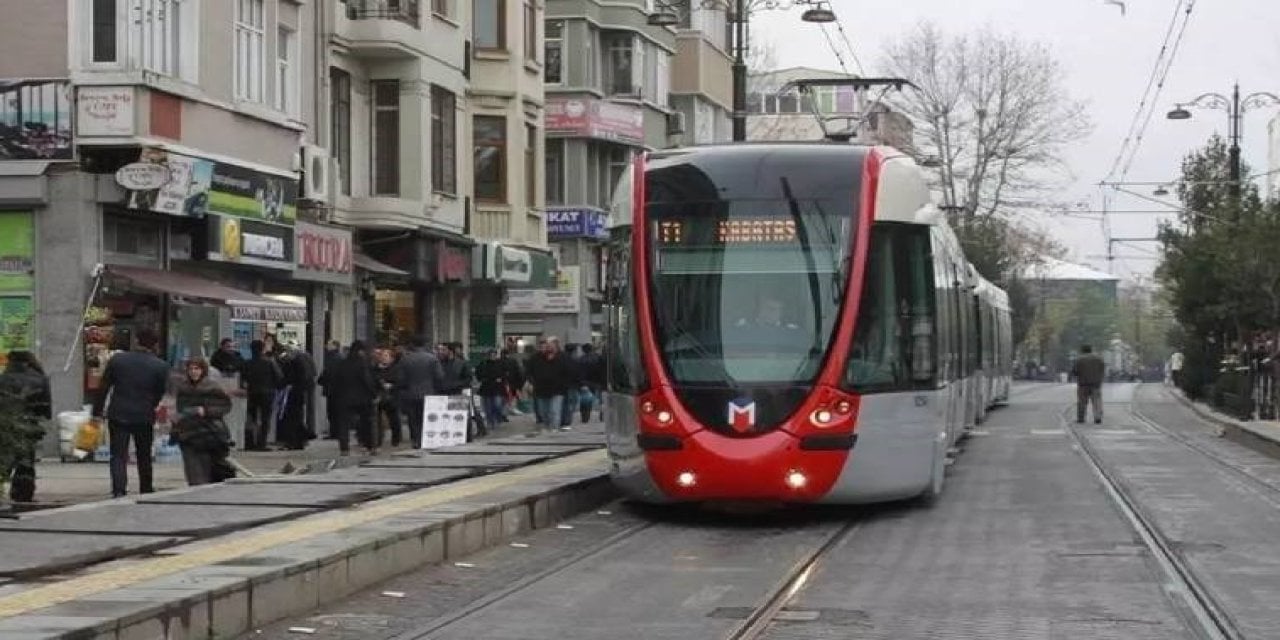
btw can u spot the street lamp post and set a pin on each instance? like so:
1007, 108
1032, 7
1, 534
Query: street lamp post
1235, 108
818, 11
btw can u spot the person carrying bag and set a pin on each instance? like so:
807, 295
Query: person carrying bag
201, 434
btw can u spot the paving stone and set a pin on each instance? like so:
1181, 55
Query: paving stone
510, 449
264, 494
461, 461
417, 477
22, 554
153, 519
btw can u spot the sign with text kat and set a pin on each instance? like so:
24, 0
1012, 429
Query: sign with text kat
567, 223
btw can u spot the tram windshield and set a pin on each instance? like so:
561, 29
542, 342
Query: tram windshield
747, 291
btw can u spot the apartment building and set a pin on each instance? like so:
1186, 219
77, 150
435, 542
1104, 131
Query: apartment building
778, 112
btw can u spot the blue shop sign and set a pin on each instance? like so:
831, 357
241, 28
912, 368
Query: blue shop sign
576, 223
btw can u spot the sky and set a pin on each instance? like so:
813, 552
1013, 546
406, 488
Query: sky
1107, 58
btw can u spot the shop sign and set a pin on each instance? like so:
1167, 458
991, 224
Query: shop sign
250, 242
564, 224
105, 111
564, 298
35, 120
452, 263
245, 193
196, 186
17, 251
142, 176
269, 314
594, 118
324, 253
512, 265
184, 192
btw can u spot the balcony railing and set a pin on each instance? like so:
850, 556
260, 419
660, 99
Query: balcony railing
405, 11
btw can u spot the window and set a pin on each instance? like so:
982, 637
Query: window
440, 7
619, 162
490, 142
619, 68
489, 30
444, 141
104, 30
662, 93
159, 23
126, 236
554, 171
530, 166
531, 30
286, 80
553, 47
340, 124
593, 62
250, 50
893, 344
386, 137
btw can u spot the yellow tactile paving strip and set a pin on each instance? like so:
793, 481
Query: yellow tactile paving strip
248, 543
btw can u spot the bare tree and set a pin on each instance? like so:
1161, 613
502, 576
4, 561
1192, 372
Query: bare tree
993, 109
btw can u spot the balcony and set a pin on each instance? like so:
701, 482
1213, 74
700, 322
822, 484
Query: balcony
405, 11
380, 28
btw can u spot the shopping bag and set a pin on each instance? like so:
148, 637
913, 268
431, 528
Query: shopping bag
88, 436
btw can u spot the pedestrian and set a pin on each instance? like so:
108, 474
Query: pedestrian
492, 375
25, 384
592, 366
515, 382
261, 378
551, 374
227, 360
421, 375
299, 377
135, 382
388, 374
201, 434
332, 356
354, 391
571, 399
1089, 371
1176, 362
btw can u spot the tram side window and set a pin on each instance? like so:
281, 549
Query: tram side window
893, 347
625, 373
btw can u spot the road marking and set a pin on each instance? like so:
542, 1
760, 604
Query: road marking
1047, 432
245, 543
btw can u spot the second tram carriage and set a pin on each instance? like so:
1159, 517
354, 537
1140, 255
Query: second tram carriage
792, 323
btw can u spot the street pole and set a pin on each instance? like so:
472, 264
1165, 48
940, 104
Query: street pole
740, 72
1235, 132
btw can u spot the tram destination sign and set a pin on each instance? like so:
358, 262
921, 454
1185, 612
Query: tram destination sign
737, 231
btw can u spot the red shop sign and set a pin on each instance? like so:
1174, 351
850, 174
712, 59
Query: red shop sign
452, 263
324, 249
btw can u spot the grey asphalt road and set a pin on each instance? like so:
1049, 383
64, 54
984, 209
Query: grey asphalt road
1025, 543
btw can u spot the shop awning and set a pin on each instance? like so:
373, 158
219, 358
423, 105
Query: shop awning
197, 290
363, 261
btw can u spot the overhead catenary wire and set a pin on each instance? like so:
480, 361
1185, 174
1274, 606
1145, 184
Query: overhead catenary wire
834, 49
853, 54
1164, 76
1146, 93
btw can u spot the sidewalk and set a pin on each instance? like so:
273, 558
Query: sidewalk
66, 483
1262, 436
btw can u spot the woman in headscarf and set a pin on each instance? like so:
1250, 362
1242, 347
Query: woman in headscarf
25, 385
201, 434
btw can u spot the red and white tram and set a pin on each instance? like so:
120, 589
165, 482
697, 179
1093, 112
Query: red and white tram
791, 323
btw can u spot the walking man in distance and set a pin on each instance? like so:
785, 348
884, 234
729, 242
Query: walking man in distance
1089, 370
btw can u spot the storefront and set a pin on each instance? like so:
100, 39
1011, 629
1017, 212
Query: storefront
503, 271
17, 283
432, 301
579, 235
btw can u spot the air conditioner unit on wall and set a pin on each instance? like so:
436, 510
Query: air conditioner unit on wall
316, 169
675, 123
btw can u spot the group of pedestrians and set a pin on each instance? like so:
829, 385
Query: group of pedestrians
564, 383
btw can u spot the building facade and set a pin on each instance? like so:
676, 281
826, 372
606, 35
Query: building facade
776, 112
151, 164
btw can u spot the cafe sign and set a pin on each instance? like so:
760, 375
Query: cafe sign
268, 314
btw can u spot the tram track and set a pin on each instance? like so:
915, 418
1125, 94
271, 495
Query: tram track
1205, 616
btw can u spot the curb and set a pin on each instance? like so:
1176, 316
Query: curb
227, 599
1241, 433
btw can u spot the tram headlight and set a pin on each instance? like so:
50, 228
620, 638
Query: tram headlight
844, 407
822, 417
664, 417
796, 480
686, 479
647, 406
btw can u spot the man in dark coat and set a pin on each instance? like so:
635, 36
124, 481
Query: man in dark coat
260, 377
332, 356
136, 382
1089, 372
226, 359
25, 384
552, 375
300, 382
421, 375
354, 390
